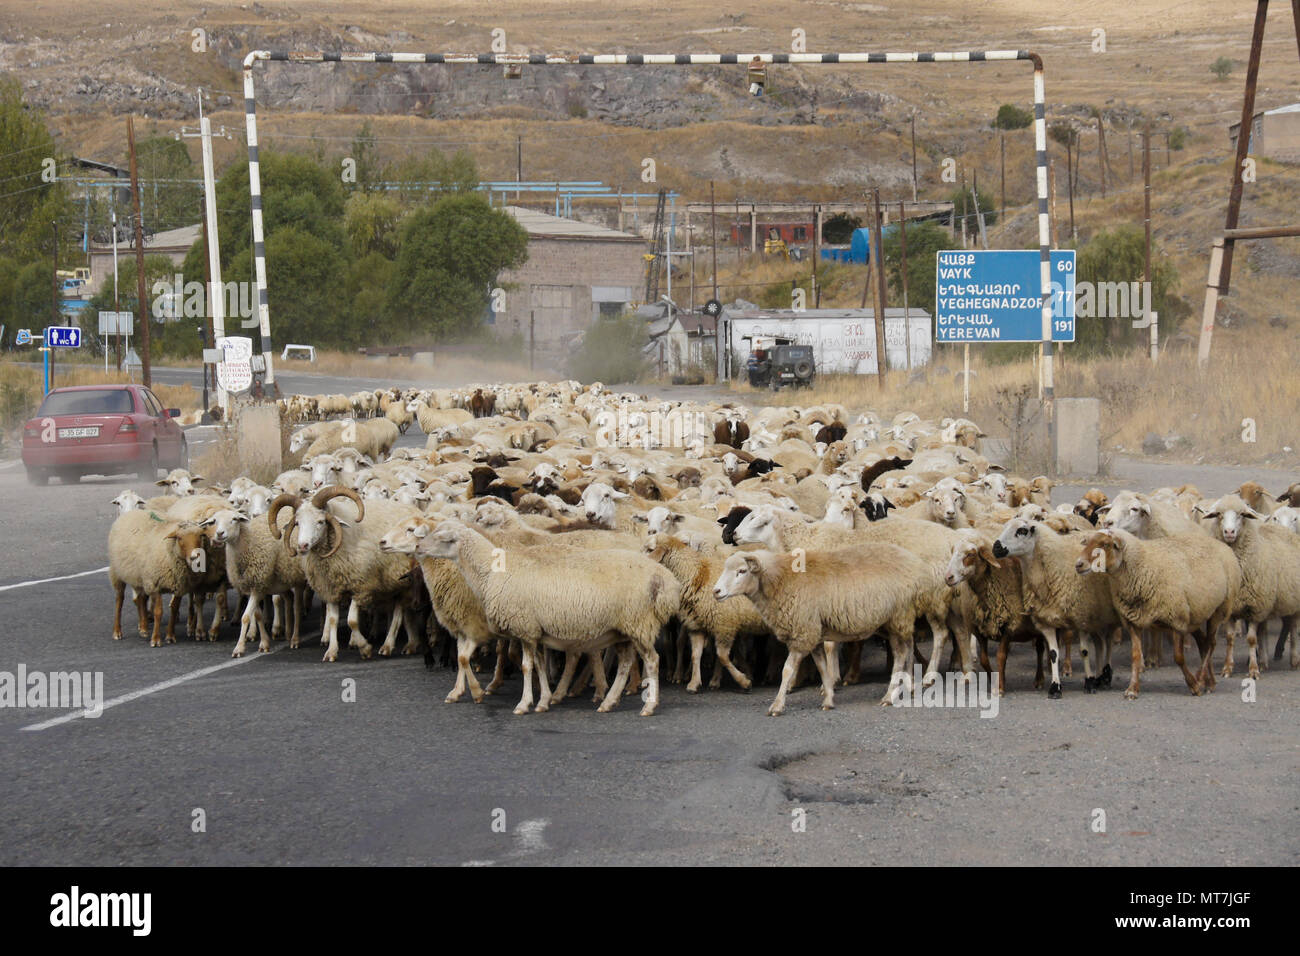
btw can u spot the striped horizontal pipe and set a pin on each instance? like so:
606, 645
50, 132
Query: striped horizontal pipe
636, 59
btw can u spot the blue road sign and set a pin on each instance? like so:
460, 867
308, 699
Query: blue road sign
63, 336
996, 296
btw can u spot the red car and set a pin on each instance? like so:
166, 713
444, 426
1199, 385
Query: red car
103, 430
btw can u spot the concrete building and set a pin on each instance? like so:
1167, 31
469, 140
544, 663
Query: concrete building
174, 244
576, 274
1274, 134
684, 341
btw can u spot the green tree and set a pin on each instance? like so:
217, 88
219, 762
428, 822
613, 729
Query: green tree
1118, 256
421, 178
923, 241
370, 220
449, 254
1178, 137
610, 351
1011, 116
1063, 133
838, 229
157, 270
166, 202
1221, 67
964, 206
29, 202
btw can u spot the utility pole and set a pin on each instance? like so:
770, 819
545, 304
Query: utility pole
1101, 154
713, 237
913, 156
117, 305
1146, 215
877, 241
1002, 143
142, 308
519, 163
1069, 178
902, 256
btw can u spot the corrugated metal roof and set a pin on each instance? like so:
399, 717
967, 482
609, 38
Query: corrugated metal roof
543, 226
1293, 108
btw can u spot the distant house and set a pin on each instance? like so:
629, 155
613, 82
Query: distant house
173, 243
1274, 134
682, 341
576, 274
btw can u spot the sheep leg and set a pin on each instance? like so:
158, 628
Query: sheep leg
156, 639
194, 620
1252, 641
1229, 640
141, 612
940, 641
831, 652
854, 672
330, 632
526, 701
264, 646
584, 677
650, 658
1287, 624
1040, 648
821, 659
464, 648
625, 655
900, 680
1206, 672
1262, 658
792, 660
390, 639
980, 650
1054, 659
499, 674
634, 678
543, 680
596, 663
220, 615
1193, 683
1067, 669
297, 615
414, 642
1004, 643
1135, 676
358, 639
1107, 641
571, 659
697, 651
679, 670
278, 615
1089, 682
723, 647
119, 595
245, 625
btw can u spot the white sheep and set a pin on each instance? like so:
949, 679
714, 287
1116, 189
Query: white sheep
1176, 582
581, 603
154, 556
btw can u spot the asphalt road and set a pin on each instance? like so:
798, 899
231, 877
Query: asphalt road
285, 770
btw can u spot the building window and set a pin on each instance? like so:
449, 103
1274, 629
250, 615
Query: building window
800, 232
611, 310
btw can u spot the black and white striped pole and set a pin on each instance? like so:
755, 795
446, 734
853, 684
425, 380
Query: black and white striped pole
662, 59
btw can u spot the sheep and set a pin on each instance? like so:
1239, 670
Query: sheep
704, 616
128, 501
1291, 496
1257, 499
1174, 582
155, 556
180, 481
1269, 557
1092, 502
1140, 515
399, 415
1056, 598
352, 564
579, 604
455, 607
258, 567
994, 604
811, 598
431, 419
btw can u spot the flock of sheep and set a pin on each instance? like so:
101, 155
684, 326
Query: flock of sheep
548, 526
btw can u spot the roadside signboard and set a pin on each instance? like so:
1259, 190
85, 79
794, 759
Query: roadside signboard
235, 370
23, 337
63, 336
116, 323
995, 296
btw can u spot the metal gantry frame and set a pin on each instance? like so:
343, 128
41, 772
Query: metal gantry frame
656, 59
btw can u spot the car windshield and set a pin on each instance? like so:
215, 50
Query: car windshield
95, 401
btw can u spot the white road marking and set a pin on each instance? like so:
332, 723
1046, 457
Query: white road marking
65, 577
529, 837
152, 689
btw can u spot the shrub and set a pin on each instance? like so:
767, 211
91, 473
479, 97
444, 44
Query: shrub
610, 351
1011, 116
1221, 67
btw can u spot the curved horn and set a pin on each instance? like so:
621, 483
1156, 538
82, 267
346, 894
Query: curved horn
285, 500
337, 530
334, 491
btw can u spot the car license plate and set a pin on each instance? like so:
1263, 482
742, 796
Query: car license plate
92, 432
